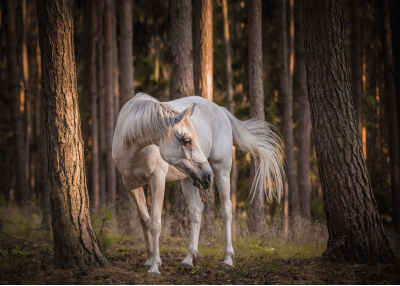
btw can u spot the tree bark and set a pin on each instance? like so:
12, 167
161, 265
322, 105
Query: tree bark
75, 242
231, 107
182, 85
287, 109
355, 230
109, 102
391, 113
102, 105
303, 127
14, 79
203, 81
256, 219
356, 67
95, 125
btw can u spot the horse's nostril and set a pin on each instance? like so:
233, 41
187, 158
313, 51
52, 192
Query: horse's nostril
209, 178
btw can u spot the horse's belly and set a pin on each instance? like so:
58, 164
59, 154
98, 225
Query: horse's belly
174, 174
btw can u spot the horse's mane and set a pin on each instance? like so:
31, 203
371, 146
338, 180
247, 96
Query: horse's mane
145, 118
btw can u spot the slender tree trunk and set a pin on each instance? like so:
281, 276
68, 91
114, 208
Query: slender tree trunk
27, 96
182, 85
203, 80
109, 102
355, 60
127, 210
391, 113
256, 218
93, 91
102, 105
75, 242
14, 79
303, 127
355, 230
231, 107
287, 109
291, 45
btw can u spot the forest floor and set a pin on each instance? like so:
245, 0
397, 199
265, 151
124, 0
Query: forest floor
27, 257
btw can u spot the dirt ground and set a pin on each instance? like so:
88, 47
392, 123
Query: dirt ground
27, 263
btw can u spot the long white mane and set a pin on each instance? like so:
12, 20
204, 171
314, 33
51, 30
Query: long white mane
145, 118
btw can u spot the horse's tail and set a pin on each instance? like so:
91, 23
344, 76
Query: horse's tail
259, 139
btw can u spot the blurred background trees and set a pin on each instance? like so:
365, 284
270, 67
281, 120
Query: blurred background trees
214, 49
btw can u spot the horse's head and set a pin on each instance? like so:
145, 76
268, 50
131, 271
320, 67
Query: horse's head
182, 150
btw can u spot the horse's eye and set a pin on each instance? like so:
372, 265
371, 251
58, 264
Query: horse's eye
187, 142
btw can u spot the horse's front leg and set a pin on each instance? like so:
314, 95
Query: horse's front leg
157, 185
196, 208
222, 179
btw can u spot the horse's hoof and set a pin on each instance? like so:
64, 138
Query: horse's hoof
228, 261
154, 270
188, 262
147, 264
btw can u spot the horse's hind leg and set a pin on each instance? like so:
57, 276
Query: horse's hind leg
195, 211
140, 199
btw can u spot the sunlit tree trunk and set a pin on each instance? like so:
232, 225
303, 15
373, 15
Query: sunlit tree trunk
109, 104
355, 230
14, 79
75, 242
203, 80
391, 113
127, 210
182, 85
355, 60
304, 179
256, 217
286, 101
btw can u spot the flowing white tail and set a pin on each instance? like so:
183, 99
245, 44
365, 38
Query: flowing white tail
257, 137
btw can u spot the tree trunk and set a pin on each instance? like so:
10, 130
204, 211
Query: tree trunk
95, 125
231, 107
303, 127
127, 210
391, 113
287, 110
75, 242
256, 219
355, 230
356, 68
102, 105
14, 79
203, 81
182, 85
109, 102
291, 45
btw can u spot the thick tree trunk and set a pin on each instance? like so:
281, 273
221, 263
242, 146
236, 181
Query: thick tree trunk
356, 67
14, 78
182, 85
256, 217
231, 106
109, 102
355, 231
102, 105
75, 242
93, 92
303, 127
127, 210
286, 101
203, 81
391, 113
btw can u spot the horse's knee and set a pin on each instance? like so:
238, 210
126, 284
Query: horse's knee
196, 212
155, 227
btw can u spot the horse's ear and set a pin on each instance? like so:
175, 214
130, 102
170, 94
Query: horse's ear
185, 114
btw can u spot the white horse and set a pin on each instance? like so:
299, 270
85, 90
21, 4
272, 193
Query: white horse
189, 139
